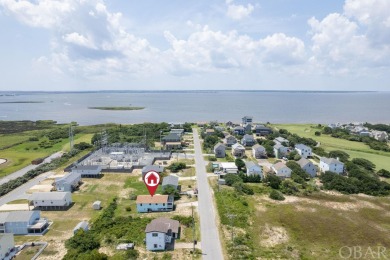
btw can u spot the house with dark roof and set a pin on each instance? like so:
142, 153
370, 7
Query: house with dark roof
171, 141
156, 203
248, 128
160, 233
156, 168
69, 182
239, 130
171, 181
332, 165
253, 168
220, 150
308, 166
261, 130
248, 140
23, 222
258, 151
229, 140
281, 170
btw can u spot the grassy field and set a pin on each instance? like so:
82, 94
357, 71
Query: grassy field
21, 155
312, 227
354, 149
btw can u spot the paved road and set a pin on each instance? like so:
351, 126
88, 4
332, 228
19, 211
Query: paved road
27, 168
211, 244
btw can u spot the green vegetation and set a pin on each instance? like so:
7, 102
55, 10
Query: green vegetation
276, 195
117, 108
177, 166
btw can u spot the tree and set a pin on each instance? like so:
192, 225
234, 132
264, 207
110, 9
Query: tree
231, 178
83, 241
240, 164
170, 190
243, 188
292, 155
288, 187
177, 166
317, 133
276, 195
384, 173
327, 130
366, 164
273, 181
343, 156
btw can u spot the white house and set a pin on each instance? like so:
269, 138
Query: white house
147, 203
51, 200
308, 166
7, 246
220, 150
81, 225
23, 222
303, 150
69, 182
380, 135
238, 150
229, 140
228, 167
281, 170
253, 169
258, 151
280, 151
247, 120
331, 164
87, 171
281, 140
160, 233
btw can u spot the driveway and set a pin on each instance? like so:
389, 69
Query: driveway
211, 244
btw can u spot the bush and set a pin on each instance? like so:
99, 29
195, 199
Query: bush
288, 187
184, 220
212, 158
177, 166
33, 139
231, 178
273, 181
243, 188
366, 164
343, 156
384, 173
317, 133
128, 208
276, 195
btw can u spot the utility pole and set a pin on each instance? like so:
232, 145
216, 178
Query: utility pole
71, 140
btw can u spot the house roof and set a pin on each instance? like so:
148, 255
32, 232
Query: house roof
248, 137
279, 166
278, 145
228, 165
251, 164
152, 199
281, 139
257, 146
17, 216
302, 147
170, 180
239, 128
163, 225
330, 160
156, 168
248, 117
49, 195
303, 162
238, 146
171, 136
262, 127
219, 145
69, 177
230, 137
210, 130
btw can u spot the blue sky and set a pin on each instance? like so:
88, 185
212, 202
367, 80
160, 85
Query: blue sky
195, 44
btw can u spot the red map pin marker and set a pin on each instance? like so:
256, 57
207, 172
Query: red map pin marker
152, 180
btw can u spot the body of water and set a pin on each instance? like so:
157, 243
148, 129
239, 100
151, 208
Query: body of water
194, 106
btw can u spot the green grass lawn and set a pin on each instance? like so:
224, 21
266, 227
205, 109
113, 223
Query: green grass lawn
8, 140
354, 149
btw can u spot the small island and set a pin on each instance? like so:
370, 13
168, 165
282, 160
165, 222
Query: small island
21, 102
117, 108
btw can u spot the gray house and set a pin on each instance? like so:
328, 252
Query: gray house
220, 150
238, 150
229, 140
248, 140
247, 120
280, 150
23, 222
171, 180
68, 182
262, 130
160, 233
281, 140
171, 137
248, 128
7, 246
87, 171
157, 168
239, 130
253, 169
307, 166
258, 151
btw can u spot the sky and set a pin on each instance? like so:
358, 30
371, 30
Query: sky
82, 45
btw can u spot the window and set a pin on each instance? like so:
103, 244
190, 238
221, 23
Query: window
155, 245
163, 204
150, 204
140, 204
154, 234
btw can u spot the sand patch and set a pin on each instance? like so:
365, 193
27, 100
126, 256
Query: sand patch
272, 236
16, 207
3, 161
40, 188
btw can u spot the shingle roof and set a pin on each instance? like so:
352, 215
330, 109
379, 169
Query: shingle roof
172, 136
249, 137
257, 146
218, 145
48, 195
279, 166
238, 146
170, 180
163, 225
302, 162
150, 199
69, 177
278, 145
251, 164
302, 147
156, 168
330, 160
16, 216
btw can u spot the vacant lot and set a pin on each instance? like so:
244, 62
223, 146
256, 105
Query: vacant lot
354, 149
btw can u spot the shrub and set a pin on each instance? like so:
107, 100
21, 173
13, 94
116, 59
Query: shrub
273, 181
212, 158
276, 195
288, 187
128, 208
317, 133
384, 173
231, 178
177, 166
366, 164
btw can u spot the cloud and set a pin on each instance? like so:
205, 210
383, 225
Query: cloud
78, 39
238, 12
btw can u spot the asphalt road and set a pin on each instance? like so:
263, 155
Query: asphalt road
23, 171
211, 244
